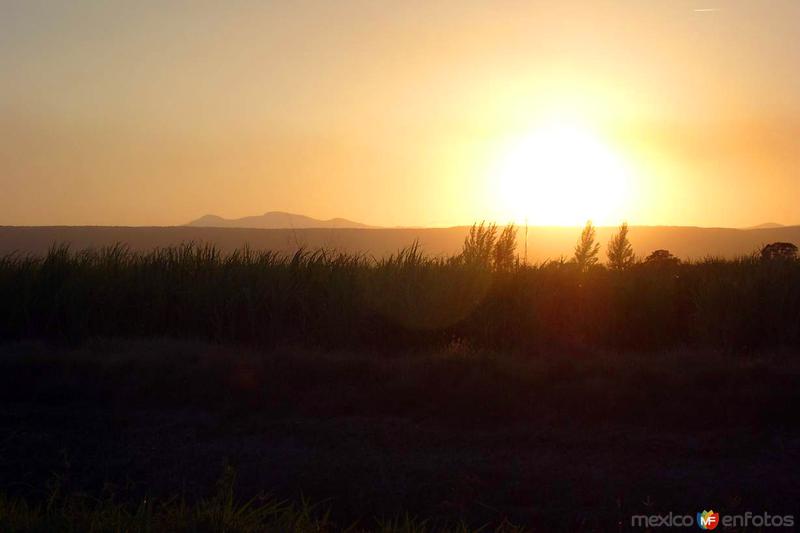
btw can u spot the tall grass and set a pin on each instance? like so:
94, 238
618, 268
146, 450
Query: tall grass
407, 300
222, 512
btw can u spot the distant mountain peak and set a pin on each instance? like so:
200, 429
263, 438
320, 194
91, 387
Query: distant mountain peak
274, 220
766, 225
208, 217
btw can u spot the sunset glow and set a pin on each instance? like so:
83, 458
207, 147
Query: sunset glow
426, 114
562, 173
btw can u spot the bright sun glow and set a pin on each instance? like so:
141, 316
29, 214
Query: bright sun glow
561, 174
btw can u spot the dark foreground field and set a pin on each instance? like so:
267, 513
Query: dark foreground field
320, 390
147, 436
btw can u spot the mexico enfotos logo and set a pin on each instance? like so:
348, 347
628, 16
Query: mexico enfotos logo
708, 520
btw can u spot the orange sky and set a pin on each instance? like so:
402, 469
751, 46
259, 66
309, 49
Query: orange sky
394, 113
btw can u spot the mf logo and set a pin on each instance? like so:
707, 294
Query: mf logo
707, 519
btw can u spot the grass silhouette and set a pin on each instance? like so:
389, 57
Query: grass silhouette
408, 300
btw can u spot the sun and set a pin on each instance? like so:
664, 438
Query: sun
560, 174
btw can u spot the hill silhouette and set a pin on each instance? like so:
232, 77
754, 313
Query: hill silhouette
274, 220
766, 225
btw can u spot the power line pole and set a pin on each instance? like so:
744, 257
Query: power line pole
526, 240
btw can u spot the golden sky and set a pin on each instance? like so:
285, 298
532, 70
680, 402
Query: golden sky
401, 113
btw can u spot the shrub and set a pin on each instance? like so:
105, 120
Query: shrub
779, 250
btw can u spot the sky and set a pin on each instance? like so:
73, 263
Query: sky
414, 113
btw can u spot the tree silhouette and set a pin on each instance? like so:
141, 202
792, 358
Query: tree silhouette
779, 250
620, 252
479, 244
504, 249
586, 250
661, 257
484, 247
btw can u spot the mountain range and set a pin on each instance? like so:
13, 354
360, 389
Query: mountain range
274, 220
284, 220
